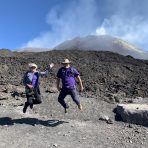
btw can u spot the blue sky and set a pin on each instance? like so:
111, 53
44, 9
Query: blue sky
46, 23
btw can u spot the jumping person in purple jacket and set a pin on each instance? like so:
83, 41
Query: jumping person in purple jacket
68, 75
31, 83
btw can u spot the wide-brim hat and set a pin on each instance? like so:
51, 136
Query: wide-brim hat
66, 61
32, 65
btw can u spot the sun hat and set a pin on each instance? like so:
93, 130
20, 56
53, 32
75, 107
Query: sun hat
66, 61
32, 65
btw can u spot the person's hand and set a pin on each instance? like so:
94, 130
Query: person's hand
59, 88
51, 65
81, 89
30, 86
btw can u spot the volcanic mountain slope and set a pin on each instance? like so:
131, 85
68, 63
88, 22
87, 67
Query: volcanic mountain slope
96, 43
102, 43
104, 74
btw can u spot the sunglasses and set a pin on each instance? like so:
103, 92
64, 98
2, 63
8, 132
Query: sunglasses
33, 67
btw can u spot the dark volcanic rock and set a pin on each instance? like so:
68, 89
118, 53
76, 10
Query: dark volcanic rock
102, 73
134, 113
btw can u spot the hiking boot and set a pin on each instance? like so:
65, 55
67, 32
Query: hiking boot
65, 110
25, 107
80, 107
31, 106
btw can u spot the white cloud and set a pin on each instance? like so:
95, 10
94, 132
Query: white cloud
39, 42
134, 30
76, 20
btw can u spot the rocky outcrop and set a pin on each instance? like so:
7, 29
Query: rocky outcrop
133, 113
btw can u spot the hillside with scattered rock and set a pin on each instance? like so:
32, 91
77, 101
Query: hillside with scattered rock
106, 75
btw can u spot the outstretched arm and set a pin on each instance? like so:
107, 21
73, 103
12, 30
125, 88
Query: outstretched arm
80, 83
47, 71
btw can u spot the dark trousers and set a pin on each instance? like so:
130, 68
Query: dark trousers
72, 92
33, 97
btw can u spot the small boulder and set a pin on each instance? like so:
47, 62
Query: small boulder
55, 145
110, 121
105, 118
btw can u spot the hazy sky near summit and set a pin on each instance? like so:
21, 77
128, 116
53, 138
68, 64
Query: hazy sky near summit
46, 23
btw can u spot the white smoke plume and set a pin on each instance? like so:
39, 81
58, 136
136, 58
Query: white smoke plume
77, 19
125, 19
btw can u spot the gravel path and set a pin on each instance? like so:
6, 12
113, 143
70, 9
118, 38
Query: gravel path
47, 126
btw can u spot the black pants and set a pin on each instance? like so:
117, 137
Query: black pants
33, 96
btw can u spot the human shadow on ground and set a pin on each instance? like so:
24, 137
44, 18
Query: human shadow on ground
30, 121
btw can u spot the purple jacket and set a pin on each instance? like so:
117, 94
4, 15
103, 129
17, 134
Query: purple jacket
33, 78
68, 76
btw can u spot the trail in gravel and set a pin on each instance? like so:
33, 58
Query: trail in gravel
48, 126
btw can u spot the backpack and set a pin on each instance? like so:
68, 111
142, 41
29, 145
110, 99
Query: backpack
26, 79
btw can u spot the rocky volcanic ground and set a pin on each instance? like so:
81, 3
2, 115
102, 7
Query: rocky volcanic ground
108, 79
105, 74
